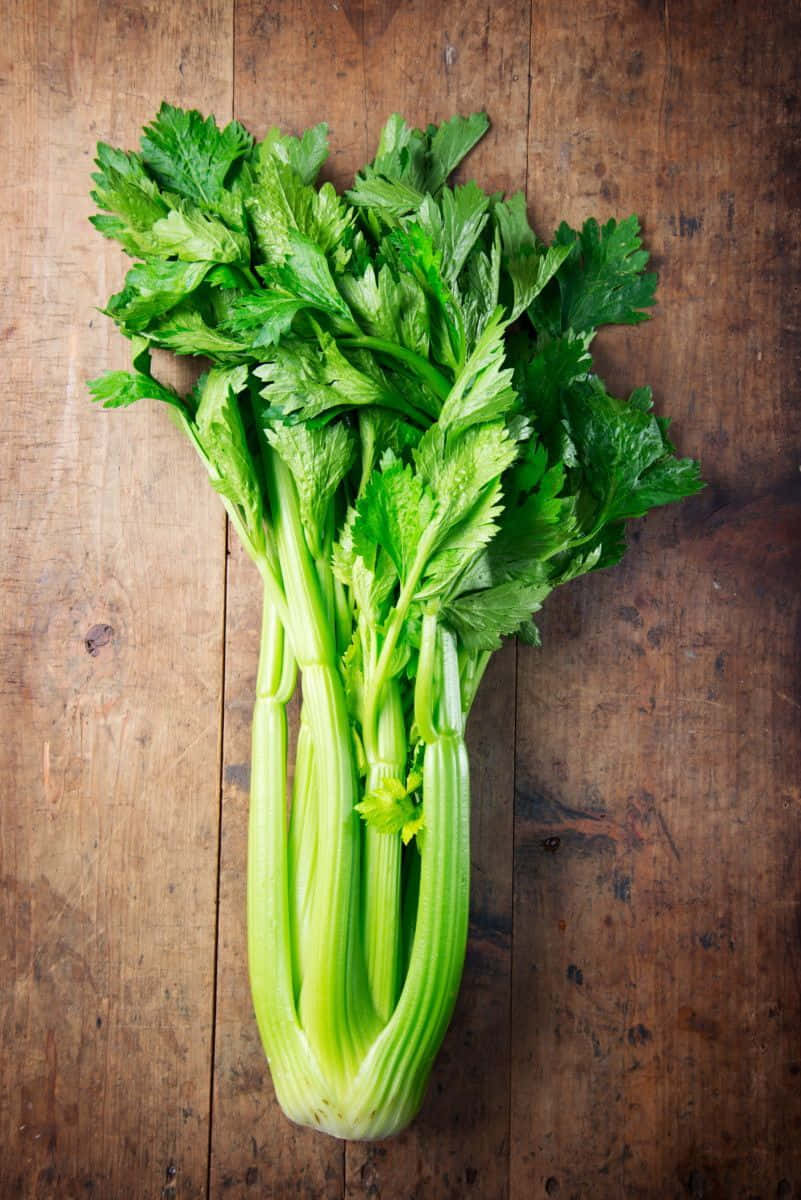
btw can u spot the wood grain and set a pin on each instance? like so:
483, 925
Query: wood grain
629, 1022
656, 953
112, 638
253, 1145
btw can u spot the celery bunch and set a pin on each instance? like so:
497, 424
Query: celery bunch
402, 421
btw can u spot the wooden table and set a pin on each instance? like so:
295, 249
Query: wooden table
629, 1022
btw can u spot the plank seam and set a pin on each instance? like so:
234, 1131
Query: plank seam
221, 774
514, 745
220, 779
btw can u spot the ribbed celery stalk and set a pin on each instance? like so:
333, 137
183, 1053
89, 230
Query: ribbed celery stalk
303, 849
353, 1059
389, 1086
296, 1072
382, 863
334, 1011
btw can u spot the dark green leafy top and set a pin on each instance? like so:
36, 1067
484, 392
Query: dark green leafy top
414, 354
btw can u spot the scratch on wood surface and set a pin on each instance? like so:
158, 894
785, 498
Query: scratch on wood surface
76, 892
120, 826
668, 72
668, 835
212, 725
688, 700
46, 769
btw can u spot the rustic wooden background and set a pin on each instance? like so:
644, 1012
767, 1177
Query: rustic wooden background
629, 1024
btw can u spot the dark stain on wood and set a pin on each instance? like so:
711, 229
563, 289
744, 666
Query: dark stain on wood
98, 637
693, 1022
237, 775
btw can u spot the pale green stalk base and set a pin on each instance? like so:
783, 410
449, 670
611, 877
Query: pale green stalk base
349, 1046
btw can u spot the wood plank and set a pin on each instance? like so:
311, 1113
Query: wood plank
428, 64
339, 48
113, 563
655, 1047
280, 53
458, 1144
252, 1144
